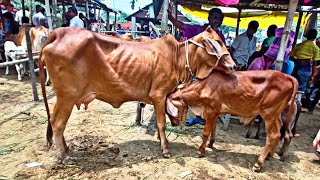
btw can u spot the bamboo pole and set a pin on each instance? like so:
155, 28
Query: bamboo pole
48, 14
31, 64
238, 22
286, 33
54, 12
297, 29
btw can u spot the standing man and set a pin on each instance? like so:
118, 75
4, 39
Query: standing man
215, 19
39, 19
75, 21
244, 45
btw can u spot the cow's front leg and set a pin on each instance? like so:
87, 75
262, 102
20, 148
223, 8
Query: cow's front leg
159, 107
211, 120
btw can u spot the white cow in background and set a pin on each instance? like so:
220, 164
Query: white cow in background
11, 50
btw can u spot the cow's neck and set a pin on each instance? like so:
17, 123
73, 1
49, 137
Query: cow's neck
185, 75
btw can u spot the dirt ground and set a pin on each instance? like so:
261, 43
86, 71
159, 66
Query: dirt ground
105, 144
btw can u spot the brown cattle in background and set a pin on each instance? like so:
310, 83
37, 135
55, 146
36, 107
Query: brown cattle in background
242, 93
84, 66
36, 34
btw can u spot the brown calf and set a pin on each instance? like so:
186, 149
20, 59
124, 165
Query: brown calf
245, 94
84, 66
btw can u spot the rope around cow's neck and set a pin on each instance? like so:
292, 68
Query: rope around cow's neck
186, 43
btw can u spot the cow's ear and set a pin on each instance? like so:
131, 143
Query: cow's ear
212, 47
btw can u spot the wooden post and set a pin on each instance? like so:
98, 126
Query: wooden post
139, 111
108, 21
297, 29
164, 18
64, 12
31, 64
87, 9
48, 14
95, 11
30, 10
23, 8
238, 22
286, 33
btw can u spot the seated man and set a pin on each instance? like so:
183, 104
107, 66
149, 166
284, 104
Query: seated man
244, 45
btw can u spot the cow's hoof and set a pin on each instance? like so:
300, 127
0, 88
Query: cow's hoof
210, 146
257, 137
256, 168
247, 136
200, 155
167, 155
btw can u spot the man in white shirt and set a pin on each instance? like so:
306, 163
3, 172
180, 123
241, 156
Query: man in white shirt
39, 19
244, 45
19, 15
75, 21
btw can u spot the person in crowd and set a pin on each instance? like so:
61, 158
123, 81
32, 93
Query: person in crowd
75, 20
19, 15
244, 45
39, 19
271, 32
305, 56
215, 19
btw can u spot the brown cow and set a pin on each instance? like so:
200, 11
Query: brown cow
84, 66
36, 34
245, 94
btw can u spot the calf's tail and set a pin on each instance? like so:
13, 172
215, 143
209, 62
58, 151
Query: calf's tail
41, 65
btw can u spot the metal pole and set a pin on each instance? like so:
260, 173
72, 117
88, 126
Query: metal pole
286, 33
297, 29
238, 22
31, 64
95, 11
49, 18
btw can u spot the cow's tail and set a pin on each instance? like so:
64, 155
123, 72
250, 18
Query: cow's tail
291, 108
41, 65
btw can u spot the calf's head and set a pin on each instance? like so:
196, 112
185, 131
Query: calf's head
212, 55
176, 107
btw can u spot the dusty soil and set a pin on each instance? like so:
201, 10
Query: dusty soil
105, 144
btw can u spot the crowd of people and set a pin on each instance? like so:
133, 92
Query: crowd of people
301, 61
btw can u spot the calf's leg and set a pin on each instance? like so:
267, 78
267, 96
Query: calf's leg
213, 135
208, 128
272, 140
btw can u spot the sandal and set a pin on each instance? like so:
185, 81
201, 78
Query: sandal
296, 135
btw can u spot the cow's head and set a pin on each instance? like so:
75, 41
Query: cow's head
211, 53
176, 107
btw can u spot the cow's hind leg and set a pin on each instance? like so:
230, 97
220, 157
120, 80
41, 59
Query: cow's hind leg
272, 140
159, 107
58, 120
208, 128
